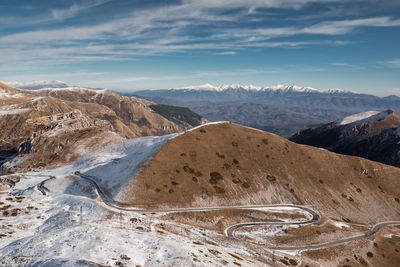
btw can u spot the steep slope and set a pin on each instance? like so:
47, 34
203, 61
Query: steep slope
41, 125
133, 111
371, 135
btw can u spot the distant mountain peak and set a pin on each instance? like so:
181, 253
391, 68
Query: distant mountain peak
54, 86
202, 87
38, 84
77, 89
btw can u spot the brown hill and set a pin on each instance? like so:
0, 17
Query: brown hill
229, 164
43, 124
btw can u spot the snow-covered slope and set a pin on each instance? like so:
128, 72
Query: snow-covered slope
357, 117
54, 218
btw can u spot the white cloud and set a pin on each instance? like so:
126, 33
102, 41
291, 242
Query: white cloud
395, 63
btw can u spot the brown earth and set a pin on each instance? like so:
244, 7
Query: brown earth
377, 250
227, 164
306, 235
219, 220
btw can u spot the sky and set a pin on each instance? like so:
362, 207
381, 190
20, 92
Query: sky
129, 45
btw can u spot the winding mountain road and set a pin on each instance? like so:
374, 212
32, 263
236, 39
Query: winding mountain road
314, 217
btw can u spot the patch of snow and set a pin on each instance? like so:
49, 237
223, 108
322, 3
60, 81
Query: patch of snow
13, 111
124, 166
341, 225
203, 87
202, 125
366, 117
5, 94
280, 209
356, 117
241, 87
114, 162
292, 88
291, 252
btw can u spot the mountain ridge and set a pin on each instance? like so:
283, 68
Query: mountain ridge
375, 137
277, 88
39, 127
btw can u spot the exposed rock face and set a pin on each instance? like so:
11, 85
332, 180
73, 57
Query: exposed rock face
45, 123
376, 137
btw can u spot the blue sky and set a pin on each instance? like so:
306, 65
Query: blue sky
146, 44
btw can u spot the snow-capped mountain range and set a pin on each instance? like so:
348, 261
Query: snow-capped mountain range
46, 84
276, 88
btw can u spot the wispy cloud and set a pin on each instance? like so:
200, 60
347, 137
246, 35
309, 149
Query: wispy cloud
227, 53
347, 26
346, 65
43, 17
394, 91
340, 64
76, 8
395, 63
